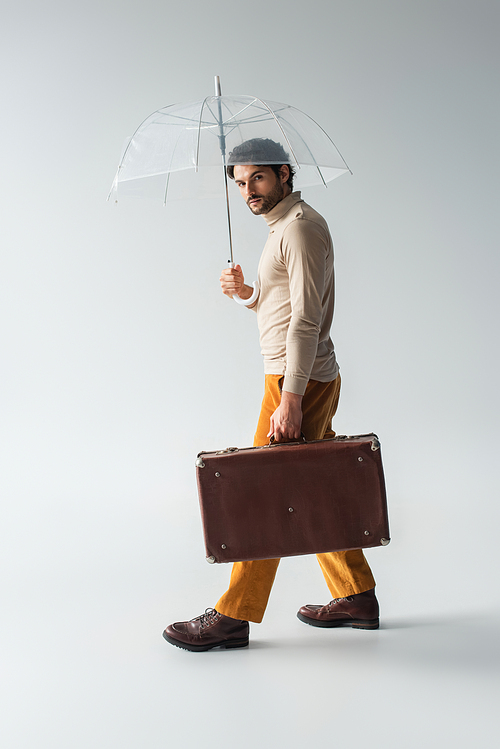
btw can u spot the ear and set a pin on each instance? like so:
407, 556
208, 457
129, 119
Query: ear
284, 173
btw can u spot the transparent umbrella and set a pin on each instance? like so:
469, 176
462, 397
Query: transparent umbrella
178, 140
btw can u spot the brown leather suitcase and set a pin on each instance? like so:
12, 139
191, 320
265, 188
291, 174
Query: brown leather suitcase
293, 498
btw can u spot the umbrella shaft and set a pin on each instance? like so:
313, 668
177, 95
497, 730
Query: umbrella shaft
231, 261
222, 146
222, 137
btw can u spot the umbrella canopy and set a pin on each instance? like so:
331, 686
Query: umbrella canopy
195, 137
177, 140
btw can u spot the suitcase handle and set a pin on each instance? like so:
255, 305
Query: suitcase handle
273, 443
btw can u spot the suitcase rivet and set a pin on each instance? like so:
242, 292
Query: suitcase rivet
367, 533
290, 509
360, 459
217, 475
200, 463
385, 541
211, 560
223, 546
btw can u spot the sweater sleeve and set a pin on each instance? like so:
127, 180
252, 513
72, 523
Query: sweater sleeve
304, 251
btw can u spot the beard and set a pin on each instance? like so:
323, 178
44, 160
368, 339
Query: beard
268, 201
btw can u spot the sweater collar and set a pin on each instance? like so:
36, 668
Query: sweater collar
282, 207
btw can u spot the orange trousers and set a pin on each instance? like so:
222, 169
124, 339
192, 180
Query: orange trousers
346, 572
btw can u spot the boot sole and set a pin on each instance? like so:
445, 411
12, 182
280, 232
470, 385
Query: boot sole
225, 645
354, 623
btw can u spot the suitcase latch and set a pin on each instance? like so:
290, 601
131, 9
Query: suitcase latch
227, 450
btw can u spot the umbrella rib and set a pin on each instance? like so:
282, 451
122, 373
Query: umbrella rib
166, 188
238, 113
169, 170
284, 134
236, 123
256, 117
199, 133
321, 175
232, 116
299, 135
331, 141
265, 110
120, 165
182, 120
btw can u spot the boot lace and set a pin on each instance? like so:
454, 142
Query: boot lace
211, 616
338, 600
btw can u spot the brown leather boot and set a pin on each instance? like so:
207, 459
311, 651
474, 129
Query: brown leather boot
210, 630
359, 611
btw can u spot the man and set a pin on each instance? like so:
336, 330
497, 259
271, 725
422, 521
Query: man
294, 299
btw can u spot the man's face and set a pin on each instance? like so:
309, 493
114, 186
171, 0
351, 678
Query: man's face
260, 187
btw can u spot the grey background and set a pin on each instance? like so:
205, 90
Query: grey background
121, 360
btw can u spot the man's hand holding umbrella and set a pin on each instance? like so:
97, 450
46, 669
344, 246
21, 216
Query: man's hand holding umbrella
233, 283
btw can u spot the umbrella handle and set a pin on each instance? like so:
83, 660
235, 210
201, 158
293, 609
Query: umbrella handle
230, 264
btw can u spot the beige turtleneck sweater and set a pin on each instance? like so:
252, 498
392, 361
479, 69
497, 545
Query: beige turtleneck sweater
295, 304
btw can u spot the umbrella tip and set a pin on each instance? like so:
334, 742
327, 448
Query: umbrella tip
217, 86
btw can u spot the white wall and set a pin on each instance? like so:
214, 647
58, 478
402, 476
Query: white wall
121, 359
